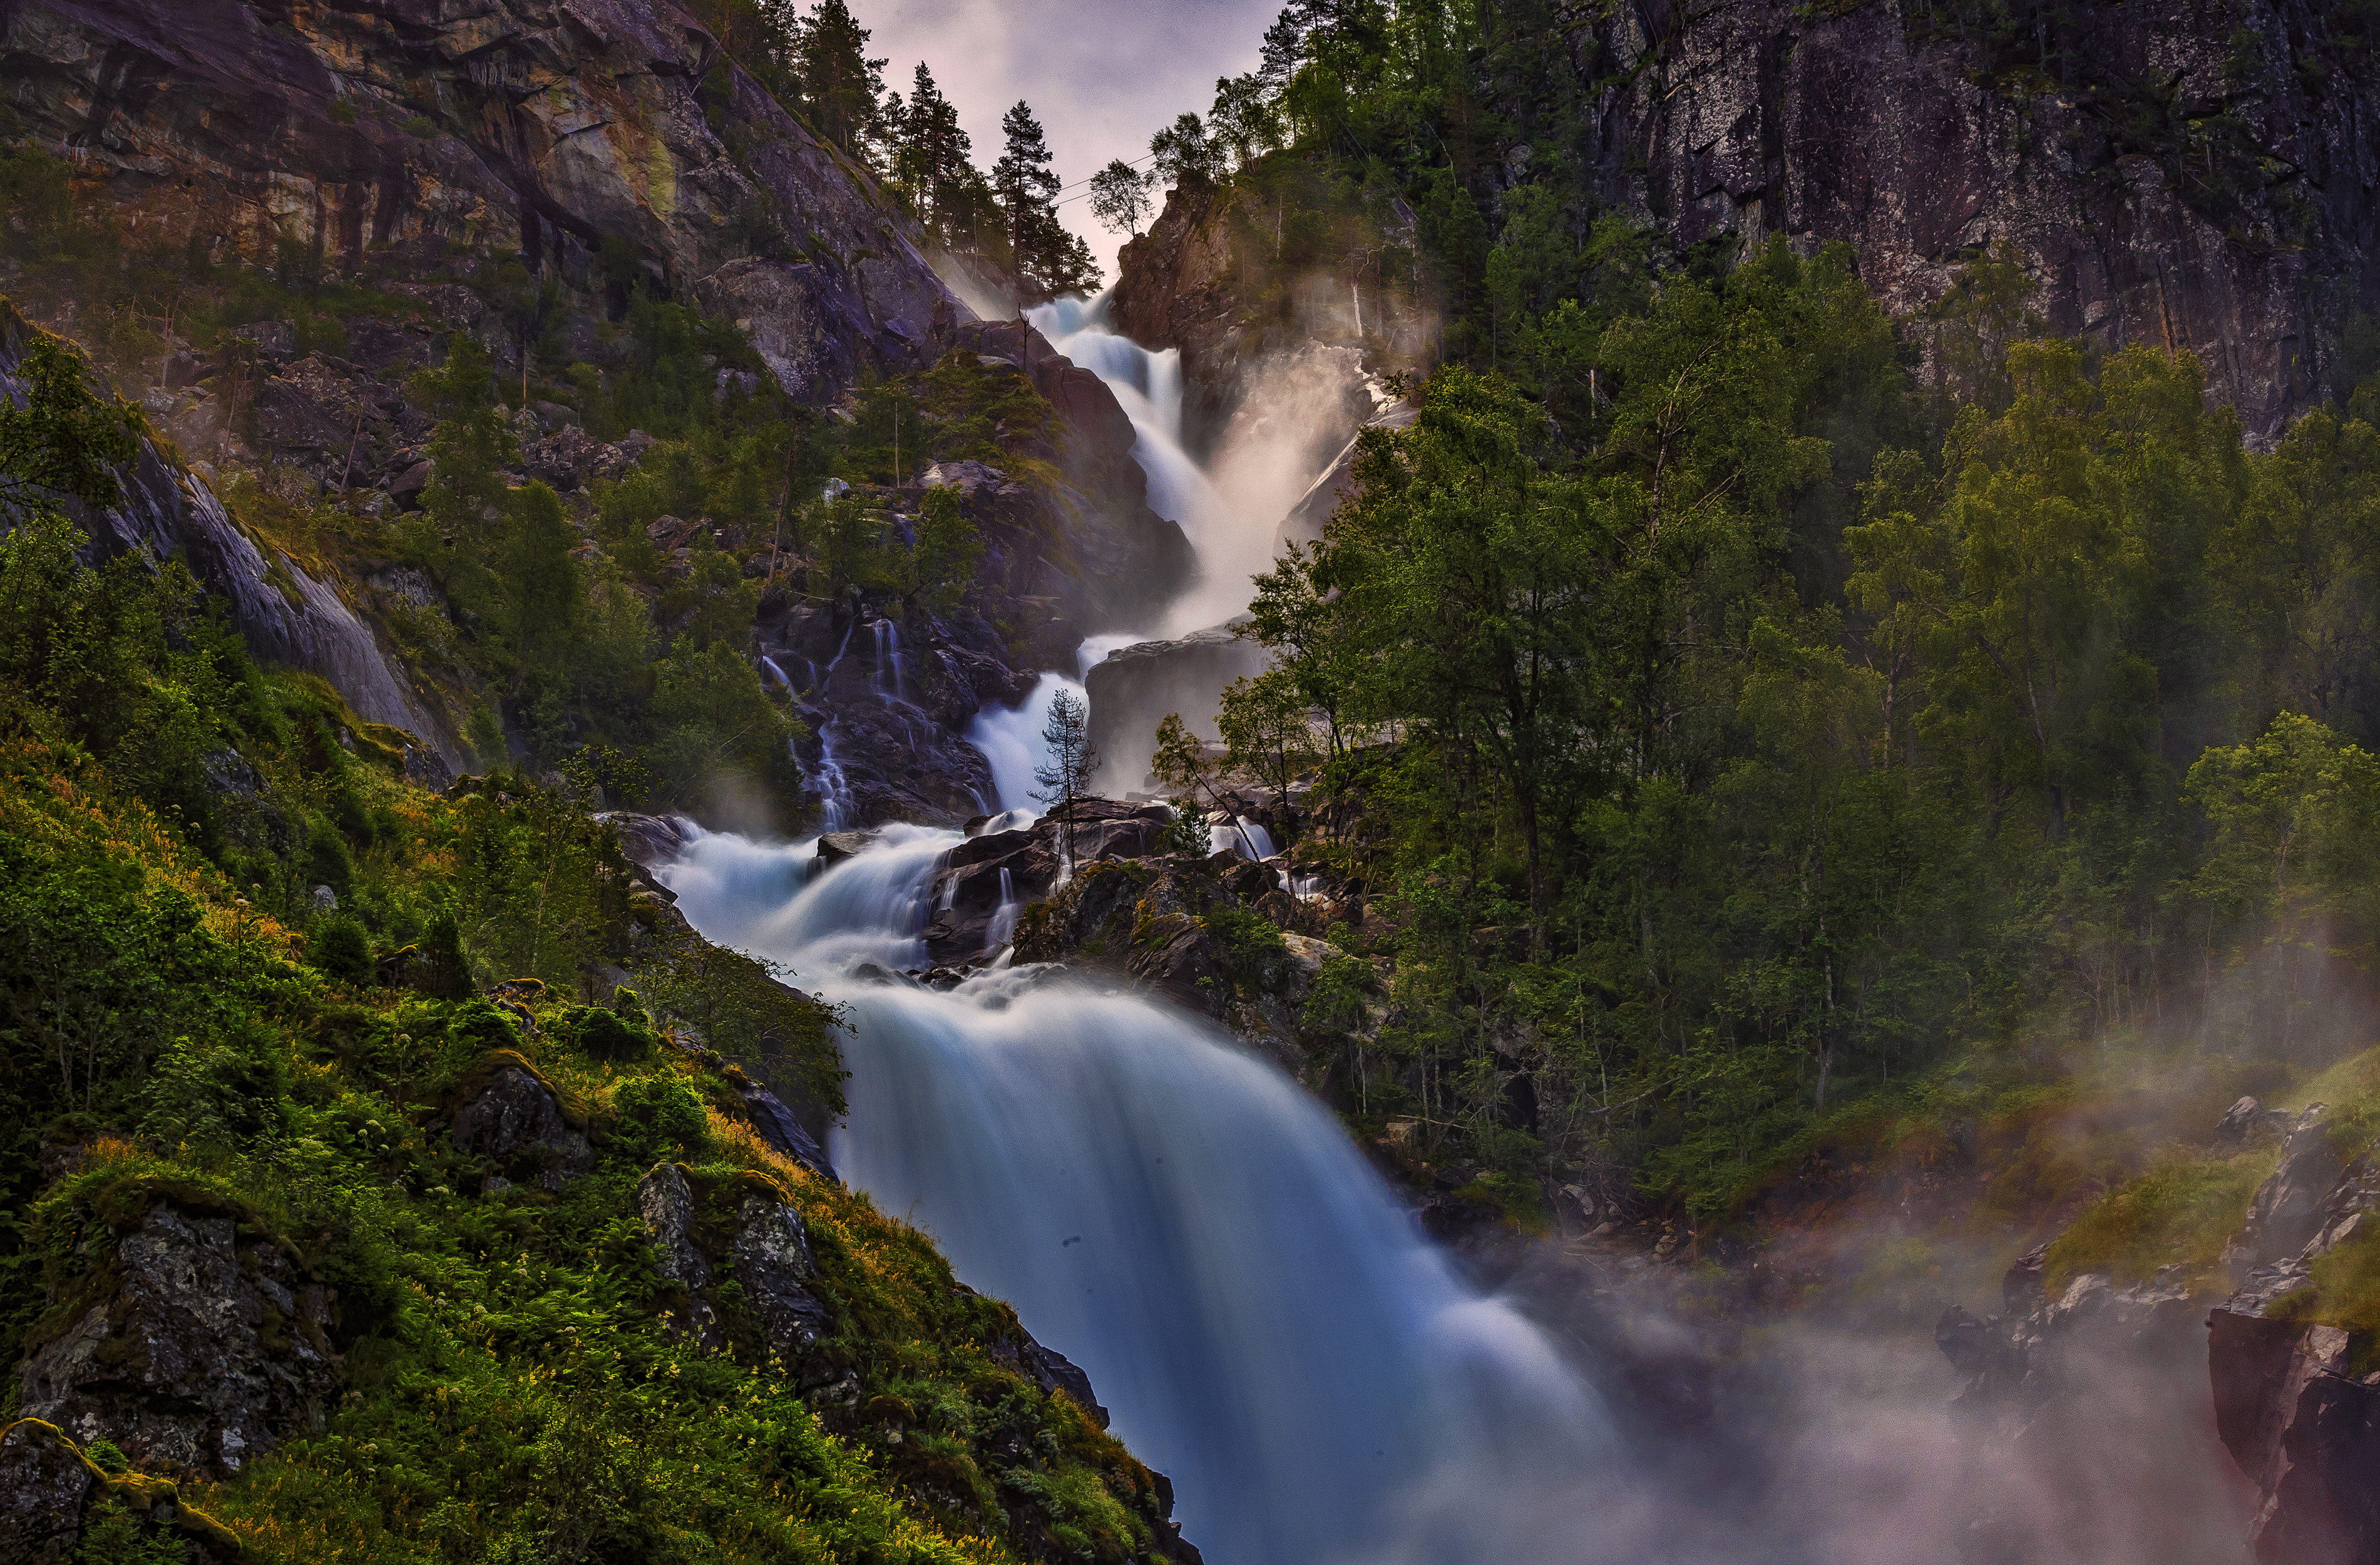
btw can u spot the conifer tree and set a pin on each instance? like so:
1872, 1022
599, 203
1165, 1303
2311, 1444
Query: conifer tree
1025, 184
840, 86
930, 163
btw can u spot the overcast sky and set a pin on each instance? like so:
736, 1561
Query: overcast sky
1101, 75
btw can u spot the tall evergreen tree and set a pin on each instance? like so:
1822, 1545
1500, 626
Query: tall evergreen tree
1026, 183
930, 155
841, 87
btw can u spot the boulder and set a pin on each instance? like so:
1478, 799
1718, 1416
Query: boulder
833, 847
44, 1483
210, 1349
516, 1123
771, 1252
2247, 1119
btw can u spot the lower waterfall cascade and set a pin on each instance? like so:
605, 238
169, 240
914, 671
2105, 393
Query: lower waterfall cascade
1181, 1219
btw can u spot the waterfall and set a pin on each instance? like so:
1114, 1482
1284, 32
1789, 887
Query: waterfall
1003, 927
1010, 738
1188, 1224
1250, 841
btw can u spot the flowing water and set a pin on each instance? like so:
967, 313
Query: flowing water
1182, 1221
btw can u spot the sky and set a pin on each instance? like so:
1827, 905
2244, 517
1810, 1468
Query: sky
1103, 75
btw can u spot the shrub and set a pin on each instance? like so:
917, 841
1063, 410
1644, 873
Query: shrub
337, 946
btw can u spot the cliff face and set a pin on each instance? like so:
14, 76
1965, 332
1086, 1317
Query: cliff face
2200, 177
285, 613
563, 128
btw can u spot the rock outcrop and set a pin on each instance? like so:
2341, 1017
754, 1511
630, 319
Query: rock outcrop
2291, 1407
49, 1487
287, 616
514, 1122
987, 881
2075, 1406
203, 1345
1133, 688
554, 128
2187, 177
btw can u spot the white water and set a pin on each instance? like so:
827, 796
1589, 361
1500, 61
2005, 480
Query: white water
1010, 738
1186, 1224
1250, 840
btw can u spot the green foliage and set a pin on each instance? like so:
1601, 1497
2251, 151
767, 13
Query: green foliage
2180, 1212
341, 949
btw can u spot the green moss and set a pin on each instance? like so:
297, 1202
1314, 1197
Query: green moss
2178, 1212
2345, 1292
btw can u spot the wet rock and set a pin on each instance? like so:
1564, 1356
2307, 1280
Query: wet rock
210, 1350
648, 841
1132, 689
516, 1123
833, 847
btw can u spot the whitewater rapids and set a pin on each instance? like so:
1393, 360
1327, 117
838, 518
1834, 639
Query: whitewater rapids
1179, 1219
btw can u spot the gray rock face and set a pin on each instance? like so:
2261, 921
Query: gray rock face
666, 1203
42, 1487
2289, 1205
286, 615
1132, 689
1753, 118
2284, 1405
768, 1254
210, 1350
516, 1123
559, 123
784, 1130
2079, 1405
772, 1261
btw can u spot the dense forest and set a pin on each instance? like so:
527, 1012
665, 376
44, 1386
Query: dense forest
1775, 720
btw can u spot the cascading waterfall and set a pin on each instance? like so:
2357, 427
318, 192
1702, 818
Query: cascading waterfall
1010, 738
1184, 1222
1148, 386
1249, 838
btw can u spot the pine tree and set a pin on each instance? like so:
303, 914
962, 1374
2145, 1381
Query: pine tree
1066, 776
930, 162
840, 85
1026, 183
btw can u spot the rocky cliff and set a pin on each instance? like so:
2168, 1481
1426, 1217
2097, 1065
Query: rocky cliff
2198, 177
287, 615
606, 138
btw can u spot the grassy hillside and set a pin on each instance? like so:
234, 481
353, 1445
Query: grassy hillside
250, 971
